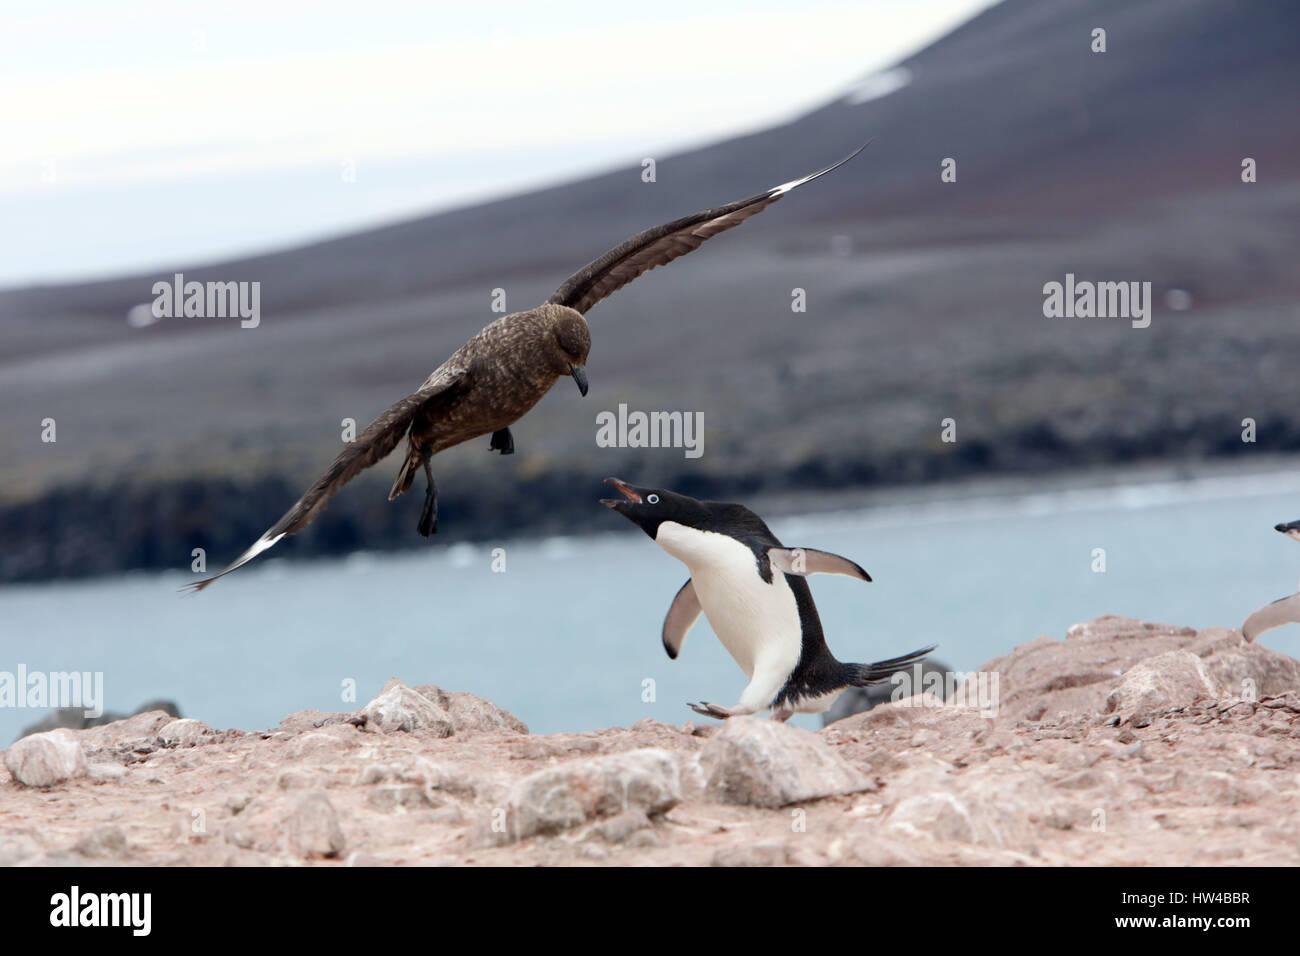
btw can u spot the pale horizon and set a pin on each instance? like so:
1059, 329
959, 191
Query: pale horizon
155, 137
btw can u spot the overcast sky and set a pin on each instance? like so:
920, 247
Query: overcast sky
146, 133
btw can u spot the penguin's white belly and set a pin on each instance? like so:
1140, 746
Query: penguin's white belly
757, 622
817, 705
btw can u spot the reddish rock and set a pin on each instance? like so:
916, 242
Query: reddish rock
470, 714
306, 825
573, 793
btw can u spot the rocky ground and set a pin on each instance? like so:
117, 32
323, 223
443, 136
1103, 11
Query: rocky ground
1125, 743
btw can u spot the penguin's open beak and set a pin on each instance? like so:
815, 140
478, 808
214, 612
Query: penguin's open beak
628, 495
579, 373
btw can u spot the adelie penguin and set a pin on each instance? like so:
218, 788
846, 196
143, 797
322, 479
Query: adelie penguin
502, 372
753, 591
1282, 611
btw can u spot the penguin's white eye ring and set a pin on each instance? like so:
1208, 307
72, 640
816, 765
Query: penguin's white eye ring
652, 499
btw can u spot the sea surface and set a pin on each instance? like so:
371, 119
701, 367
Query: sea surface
567, 635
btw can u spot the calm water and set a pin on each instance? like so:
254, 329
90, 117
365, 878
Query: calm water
567, 635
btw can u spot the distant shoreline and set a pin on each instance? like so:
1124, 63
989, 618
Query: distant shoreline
155, 527
1088, 487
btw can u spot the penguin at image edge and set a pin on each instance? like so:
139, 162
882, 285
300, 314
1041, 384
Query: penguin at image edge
752, 590
1282, 611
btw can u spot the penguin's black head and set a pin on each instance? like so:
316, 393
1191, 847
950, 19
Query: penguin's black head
650, 507
1290, 528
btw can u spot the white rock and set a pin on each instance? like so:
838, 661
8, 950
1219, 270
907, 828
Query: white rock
42, 760
399, 708
1173, 679
572, 793
183, 730
760, 762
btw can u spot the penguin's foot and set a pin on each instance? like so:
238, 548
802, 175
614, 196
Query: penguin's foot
502, 441
781, 716
705, 709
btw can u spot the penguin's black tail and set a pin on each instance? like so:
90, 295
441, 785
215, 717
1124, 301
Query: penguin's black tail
860, 675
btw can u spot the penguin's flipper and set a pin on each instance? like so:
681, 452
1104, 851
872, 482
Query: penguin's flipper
811, 561
682, 614
1282, 611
